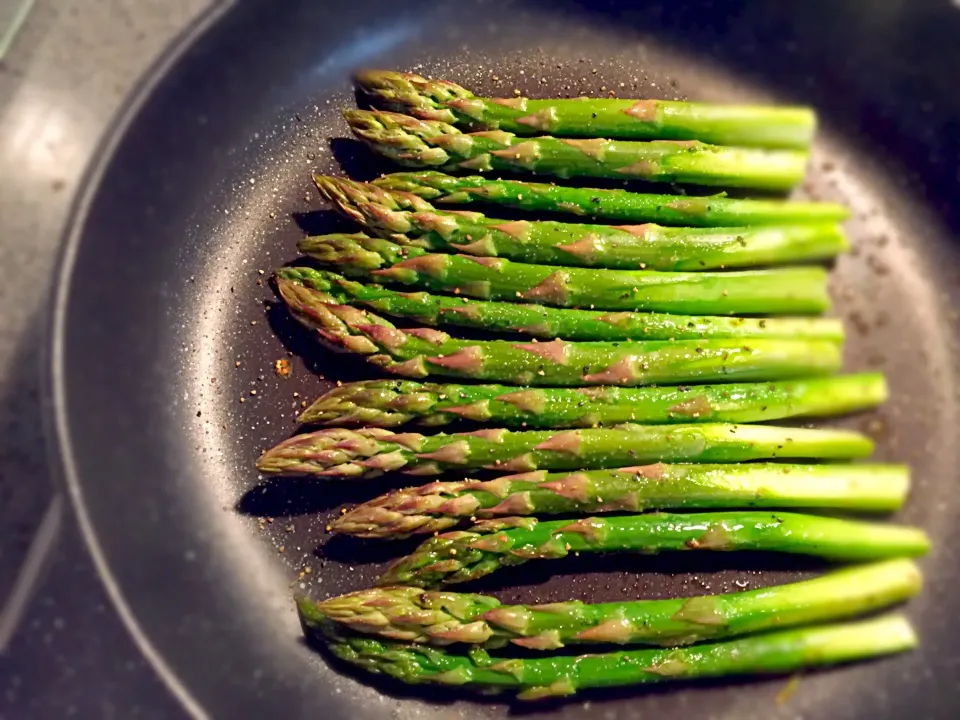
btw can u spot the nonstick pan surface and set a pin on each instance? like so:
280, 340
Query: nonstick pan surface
165, 331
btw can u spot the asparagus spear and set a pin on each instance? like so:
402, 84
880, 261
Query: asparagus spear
545, 322
424, 351
441, 618
563, 675
409, 220
463, 555
442, 505
369, 452
604, 204
772, 127
389, 403
769, 292
432, 144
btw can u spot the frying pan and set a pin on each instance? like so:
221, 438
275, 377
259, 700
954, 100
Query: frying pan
165, 331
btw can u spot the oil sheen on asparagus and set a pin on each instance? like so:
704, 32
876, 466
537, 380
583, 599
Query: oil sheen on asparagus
415, 615
390, 403
441, 505
420, 352
409, 220
648, 119
464, 555
782, 291
555, 676
609, 203
437, 145
370, 452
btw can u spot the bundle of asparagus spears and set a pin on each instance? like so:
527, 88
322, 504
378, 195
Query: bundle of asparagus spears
628, 368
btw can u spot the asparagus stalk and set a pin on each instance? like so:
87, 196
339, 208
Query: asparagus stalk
415, 615
369, 452
432, 144
771, 127
409, 220
545, 322
769, 292
389, 403
464, 555
441, 505
603, 204
564, 675
421, 352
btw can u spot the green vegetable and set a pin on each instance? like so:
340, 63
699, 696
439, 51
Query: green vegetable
369, 452
437, 145
389, 403
772, 127
546, 322
415, 615
442, 505
421, 352
409, 220
769, 292
464, 555
785, 651
609, 204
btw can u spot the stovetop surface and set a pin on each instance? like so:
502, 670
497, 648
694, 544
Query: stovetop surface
63, 74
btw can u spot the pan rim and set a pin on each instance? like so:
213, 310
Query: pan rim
59, 448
